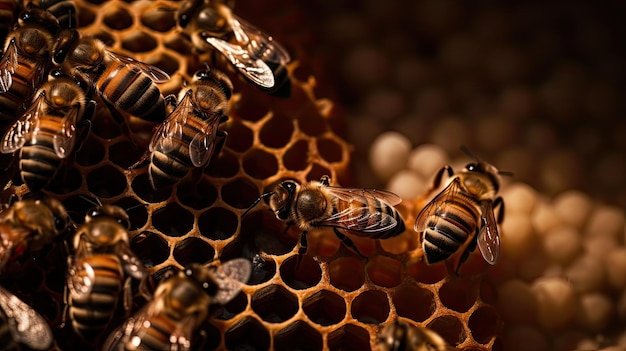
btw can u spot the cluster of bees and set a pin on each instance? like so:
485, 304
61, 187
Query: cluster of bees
51, 78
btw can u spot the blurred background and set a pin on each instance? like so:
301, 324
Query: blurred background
535, 88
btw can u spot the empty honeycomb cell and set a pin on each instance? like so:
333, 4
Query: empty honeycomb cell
414, 302
309, 120
384, 271
247, 334
424, 273
224, 165
252, 107
260, 164
158, 19
298, 335
91, 152
103, 124
317, 172
139, 41
176, 43
325, 308
261, 229
217, 223
329, 150
296, 157
234, 307
165, 62
193, 250
196, 194
277, 132
85, 16
239, 192
136, 211
172, 220
307, 275
207, 337
66, 180
240, 137
124, 153
349, 337
151, 248
450, 297
450, 328
106, 181
274, 303
484, 323
117, 17
143, 188
371, 306
263, 269
346, 273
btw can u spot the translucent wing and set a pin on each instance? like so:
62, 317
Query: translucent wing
25, 324
130, 262
156, 74
252, 68
259, 44
8, 64
203, 143
170, 132
27, 125
229, 277
348, 194
64, 139
435, 204
488, 237
81, 278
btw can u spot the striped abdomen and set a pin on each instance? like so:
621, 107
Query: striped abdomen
6, 338
12, 102
449, 227
91, 312
156, 336
132, 91
372, 211
38, 160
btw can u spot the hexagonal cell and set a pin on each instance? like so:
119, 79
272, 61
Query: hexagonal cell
349, 337
65, 181
414, 302
295, 158
450, 328
173, 220
263, 265
105, 126
116, 17
277, 132
139, 41
458, 294
157, 19
307, 275
234, 307
240, 137
136, 211
106, 181
107, 38
384, 271
325, 308
329, 150
91, 152
310, 121
263, 231
142, 187
317, 171
217, 223
239, 193
260, 164
371, 307
247, 334
124, 153
298, 336
197, 195
193, 250
151, 248
165, 62
206, 337
274, 303
424, 273
484, 323
252, 107
224, 165
346, 273
85, 16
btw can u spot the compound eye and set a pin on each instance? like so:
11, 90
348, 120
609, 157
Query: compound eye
289, 186
60, 224
123, 222
472, 167
283, 214
94, 212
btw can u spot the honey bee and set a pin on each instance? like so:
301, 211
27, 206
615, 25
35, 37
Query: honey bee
256, 55
180, 304
47, 131
100, 271
20, 324
188, 136
364, 212
124, 83
63, 10
25, 61
30, 224
402, 336
461, 216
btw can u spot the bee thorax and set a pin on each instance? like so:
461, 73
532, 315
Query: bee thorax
311, 205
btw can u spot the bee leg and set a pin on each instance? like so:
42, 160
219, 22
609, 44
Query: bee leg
498, 202
301, 250
465, 255
348, 242
222, 135
128, 297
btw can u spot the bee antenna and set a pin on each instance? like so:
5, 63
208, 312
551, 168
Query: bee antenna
468, 153
256, 202
135, 207
95, 202
208, 68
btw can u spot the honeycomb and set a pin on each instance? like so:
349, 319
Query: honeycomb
335, 301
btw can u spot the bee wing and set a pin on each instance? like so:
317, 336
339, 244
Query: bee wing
203, 143
81, 278
348, 194
130, 262
26, 325
171, 130
488, 237
252, 68
64, 139
259, 43
7, 67
28, 123
229, 276
156, 74
435, 204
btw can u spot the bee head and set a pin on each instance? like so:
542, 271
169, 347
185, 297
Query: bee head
201, 275
281, 200
110, 211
